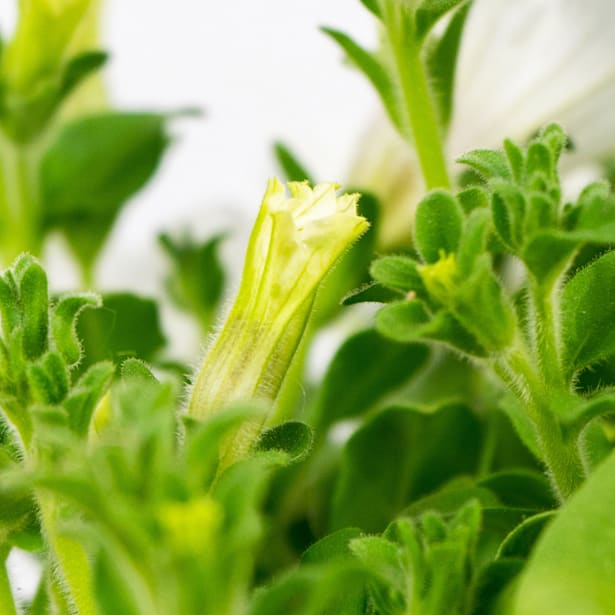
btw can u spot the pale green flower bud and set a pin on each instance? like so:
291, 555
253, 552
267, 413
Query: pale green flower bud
296, 240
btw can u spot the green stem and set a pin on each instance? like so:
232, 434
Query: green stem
73, 565
7, 602
19, 210
546, 343
420, 111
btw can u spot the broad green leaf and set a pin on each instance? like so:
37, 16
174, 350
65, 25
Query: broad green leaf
571, 568
588, 310
294, 170
396, 457
354, 382
126, 326
91, 169
438, 225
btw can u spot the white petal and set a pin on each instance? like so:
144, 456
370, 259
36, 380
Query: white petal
529, 62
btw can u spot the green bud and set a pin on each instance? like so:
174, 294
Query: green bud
295, 242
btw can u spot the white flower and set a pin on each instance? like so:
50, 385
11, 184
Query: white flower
521, 65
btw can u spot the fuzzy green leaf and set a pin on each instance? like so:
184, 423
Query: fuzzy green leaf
398, 273
571, 568
354, 382
397, 456
94, 165
64, 322
588, 310
489, 164
34, 307
438, 224
430, 11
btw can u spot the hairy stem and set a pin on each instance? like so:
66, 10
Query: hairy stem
420, 111
73, 565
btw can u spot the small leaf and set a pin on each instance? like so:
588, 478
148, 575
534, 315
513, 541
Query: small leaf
588, 310
438, 225
85, 395
516, 160
398, 273
333, 547
490, 164
64, 322
49, 379
293, 170
430, 11
79, 67
293, 438
441, 62
34, 306
370, 293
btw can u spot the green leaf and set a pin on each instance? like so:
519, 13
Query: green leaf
373, 6
441, 62
293, 169
547, 252
293, 438
398, 273
508, 208
438, 224
570, 570
49, 379
354, 382
430, 11
520, 489
489, 164
516, 160
64, 324
370, 293
409, 321
397, 456
126, 326
333, 547
588, 310
521, 540
196, 283
34, 306
79, 67
373, 70
91, 169
473, 198
85, 395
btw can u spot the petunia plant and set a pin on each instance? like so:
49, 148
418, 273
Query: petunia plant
453, 453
